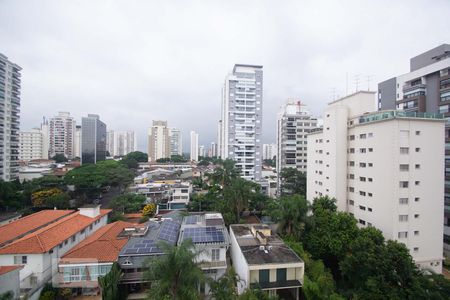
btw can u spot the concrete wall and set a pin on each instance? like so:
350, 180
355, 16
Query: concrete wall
10, 282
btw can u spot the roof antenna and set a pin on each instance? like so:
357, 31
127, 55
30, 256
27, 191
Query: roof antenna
369, 79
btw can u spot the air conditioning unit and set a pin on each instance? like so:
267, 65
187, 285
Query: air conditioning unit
261, 248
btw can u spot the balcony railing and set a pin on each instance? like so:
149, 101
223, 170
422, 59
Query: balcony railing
399, 114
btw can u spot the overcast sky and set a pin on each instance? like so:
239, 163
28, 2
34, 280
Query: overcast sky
132, 62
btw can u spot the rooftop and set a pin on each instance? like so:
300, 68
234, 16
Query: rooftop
260, 246
398, 114
204, 228
21, 227
103, 245
50, 236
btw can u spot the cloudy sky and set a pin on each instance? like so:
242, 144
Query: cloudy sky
132, 62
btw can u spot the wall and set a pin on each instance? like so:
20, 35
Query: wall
239, 263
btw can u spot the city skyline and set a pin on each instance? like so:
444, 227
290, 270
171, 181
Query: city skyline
125, 68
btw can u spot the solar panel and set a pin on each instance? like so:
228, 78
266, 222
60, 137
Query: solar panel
169, 231
139, 245
131, 251
204, 235
148, 241
191, 220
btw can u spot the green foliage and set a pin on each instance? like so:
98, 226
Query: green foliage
9, 295
224, 288
324, 203
292, 182
237, 196
60, 201
11, 198
109, 284
256, 294
127, 203
175, 275
270, 162
290, 212
59, 158
137, 156
172, 159
130, 163
224, 174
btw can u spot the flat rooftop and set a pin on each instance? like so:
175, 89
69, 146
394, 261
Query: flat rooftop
204, 228
268, 248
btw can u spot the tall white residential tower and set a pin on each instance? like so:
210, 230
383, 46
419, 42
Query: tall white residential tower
158, 141
194, 146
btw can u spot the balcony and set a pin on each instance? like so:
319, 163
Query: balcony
213, 264
277, 285
409, 88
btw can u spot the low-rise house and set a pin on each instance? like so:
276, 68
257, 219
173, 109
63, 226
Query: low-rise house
39, 251
180, 195
210, 238
9, 281
81, 266
262, 260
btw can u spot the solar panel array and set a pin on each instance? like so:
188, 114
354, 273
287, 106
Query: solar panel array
169, 231
190, 220
143, 247
204, 235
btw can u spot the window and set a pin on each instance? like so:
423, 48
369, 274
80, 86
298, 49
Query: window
362, 136
362, 178
351, 163
416, 249
362, 150
351, 202
264, 276
362, 222
417, 149
416, 233
416, 216
351, 189
403, 201
417, 182
362, 207
281, 275
352, 138
65, 242
60, 246
362, 165
403, 218
402, 234
417, 166
362, 193
369, 209
369, 194
370, 164
351, 176
370, 179
352, 150
73, 239
90, 227
370, 149
404, 167
403, 184
20, 260
215, 254
370, 134
417, 132
404, 150
416, 199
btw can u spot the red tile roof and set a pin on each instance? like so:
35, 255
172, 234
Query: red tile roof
27, 224
45, 239
7, 269
102, 246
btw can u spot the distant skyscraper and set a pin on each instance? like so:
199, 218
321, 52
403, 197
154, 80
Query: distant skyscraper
219, 139
93, 139
31, 145
194, 146
158, 141
176, 141
9, 118
62, 135
242, 119
77, 142
201, 151
269, 151
120, 143
213, 150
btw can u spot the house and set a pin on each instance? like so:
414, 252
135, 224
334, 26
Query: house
210, 238
9, 281
38, 250
262, 260
8, 217
180, 195
81, 266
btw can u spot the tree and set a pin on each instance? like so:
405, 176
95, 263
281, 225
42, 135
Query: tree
175, 275
137, 156
41, 197
256, 294
60, 158
237, 195
224, 288
60, 201
127, 203
149, 210
10, 196
109, 284
293, 181
9, 295
224, 174
290, 212
130, 163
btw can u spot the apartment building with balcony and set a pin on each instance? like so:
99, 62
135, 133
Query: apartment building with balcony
426, 88
120, 143
62, 135
386, 168
176, 141
210, 238
194, 153
262, 260
241, 120
43, 239
31, 145
10, 86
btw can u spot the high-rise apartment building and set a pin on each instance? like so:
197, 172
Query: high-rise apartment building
269, 151
31, 145
10, 85
194, 146
241, 118
386, 168
294, 122
176, 141
213, 150
201, 151
120, 143
62, 135
426, 88
219, 139
93, 139
158, 141
77, 142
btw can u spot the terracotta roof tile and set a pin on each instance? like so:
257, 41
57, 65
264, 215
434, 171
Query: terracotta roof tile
7, 269
27, 224
52, 235
102, 246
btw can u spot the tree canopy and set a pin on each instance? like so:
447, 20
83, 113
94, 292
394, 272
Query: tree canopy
293, 181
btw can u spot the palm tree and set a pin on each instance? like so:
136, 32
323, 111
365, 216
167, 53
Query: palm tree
223, 175
225, 287
292, 212
110, 283
238, 194
175, 275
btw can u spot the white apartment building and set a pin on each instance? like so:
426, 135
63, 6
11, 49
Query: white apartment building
120, 143
158, 141
31, 145
62, 135
213, 150
77, 142
176, 141
386, 168
219, 150
241, 116
194, 146
10, 85
201, 151
269, 151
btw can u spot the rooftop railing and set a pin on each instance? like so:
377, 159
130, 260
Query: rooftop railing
399, 114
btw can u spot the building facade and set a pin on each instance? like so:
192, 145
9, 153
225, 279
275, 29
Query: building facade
219, 139
31, 145
269, 151
77, 142
93, 139
158, 141
120, 143
10, 86
62, 135
385, 168
241, 116
194, 146
176, 141
426, 88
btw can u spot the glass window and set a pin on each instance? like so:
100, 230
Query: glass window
403, 218
215, 254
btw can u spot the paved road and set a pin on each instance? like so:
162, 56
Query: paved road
107, 197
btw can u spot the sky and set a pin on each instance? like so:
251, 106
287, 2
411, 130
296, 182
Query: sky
132, 62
